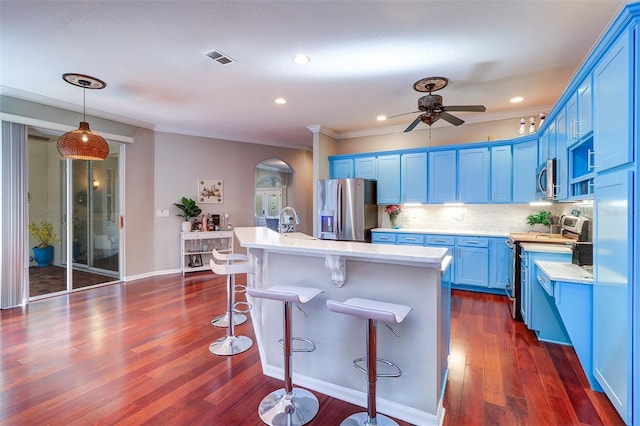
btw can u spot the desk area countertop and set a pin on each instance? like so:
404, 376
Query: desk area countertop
561, 271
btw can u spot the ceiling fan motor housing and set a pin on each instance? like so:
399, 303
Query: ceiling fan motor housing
430, 103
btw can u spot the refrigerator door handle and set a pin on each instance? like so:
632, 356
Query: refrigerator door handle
339, 211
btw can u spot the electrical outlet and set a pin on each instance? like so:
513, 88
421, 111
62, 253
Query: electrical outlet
162, 213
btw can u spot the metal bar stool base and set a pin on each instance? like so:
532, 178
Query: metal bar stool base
230, 345
362, 419
295, 409
223, 320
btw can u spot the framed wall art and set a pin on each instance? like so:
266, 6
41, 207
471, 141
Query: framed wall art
211, 191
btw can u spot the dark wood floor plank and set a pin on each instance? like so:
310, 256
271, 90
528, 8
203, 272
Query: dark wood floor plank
137, 353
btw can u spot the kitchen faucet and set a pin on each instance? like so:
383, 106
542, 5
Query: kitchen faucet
296, 218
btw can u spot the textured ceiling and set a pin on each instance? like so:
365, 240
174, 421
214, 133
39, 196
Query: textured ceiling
365, 57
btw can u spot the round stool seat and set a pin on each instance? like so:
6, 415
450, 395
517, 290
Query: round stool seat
288, 406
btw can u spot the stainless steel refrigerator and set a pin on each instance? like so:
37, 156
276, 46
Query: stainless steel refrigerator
347, 209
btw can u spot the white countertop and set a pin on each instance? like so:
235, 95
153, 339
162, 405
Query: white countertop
546, 247
296, 242
443, 232
562, 271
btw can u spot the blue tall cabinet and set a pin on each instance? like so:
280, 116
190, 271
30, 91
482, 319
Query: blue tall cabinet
616, 320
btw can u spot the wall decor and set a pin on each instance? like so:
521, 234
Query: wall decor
211, 191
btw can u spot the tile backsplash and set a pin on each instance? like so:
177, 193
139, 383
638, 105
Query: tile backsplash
501, 218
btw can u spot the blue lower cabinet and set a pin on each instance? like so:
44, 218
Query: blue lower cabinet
472, 261
545, 318
383, 237
537, 306
574, 302
410, 239
498, 263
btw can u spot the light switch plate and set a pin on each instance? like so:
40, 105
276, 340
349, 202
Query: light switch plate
162, 213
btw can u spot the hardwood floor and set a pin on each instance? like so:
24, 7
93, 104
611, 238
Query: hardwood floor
138, 353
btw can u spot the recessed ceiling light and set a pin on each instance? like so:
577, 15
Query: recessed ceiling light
381, 117
280, 101
516, 99
301, 59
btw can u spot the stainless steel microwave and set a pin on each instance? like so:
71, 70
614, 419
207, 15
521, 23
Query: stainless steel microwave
546, 180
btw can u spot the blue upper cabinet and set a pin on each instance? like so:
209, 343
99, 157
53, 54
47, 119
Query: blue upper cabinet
473, 175
585, 106
525, 155
414, 177
562, 165
501, 174
366, 167
389, 179
442, 176
613, 108
341, 168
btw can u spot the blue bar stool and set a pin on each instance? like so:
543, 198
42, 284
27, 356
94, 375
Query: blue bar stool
373, 311
289, 406
230, 344
237, 316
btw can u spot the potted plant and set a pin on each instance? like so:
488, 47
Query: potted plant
542, 217
188, 209
45, 238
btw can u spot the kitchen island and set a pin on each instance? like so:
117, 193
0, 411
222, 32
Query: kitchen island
397, 274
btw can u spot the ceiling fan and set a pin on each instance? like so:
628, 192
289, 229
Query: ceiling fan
430, 106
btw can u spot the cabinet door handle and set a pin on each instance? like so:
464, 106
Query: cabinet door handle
410, 239
439, 241
472, 242
591, 164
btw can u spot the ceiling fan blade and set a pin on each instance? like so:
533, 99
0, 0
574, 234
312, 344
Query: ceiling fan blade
451, 119
405, 113
472, 108
412, 125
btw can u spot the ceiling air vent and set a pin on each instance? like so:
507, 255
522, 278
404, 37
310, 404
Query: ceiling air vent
220, 57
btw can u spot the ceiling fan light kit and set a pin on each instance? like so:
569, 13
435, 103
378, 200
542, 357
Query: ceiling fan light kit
82, 143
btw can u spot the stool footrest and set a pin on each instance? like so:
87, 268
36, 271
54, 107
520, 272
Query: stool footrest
242, 311
310, 348
397, 372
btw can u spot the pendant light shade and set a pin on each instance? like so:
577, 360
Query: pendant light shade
83, 144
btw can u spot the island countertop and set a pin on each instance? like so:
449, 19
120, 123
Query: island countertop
301, 244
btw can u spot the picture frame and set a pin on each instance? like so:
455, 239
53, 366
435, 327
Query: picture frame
211, 191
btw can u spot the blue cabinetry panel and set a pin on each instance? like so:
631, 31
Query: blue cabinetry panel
473, 175
342, 168
442, 176
389, 179
613, 108
612, 290
365, 167
414, 178
501, 174
525, 157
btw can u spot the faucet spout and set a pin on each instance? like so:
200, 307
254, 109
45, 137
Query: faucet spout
296, 218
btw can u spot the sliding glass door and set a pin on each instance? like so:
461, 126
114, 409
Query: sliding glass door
87, 248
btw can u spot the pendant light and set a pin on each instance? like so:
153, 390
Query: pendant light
83, 144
